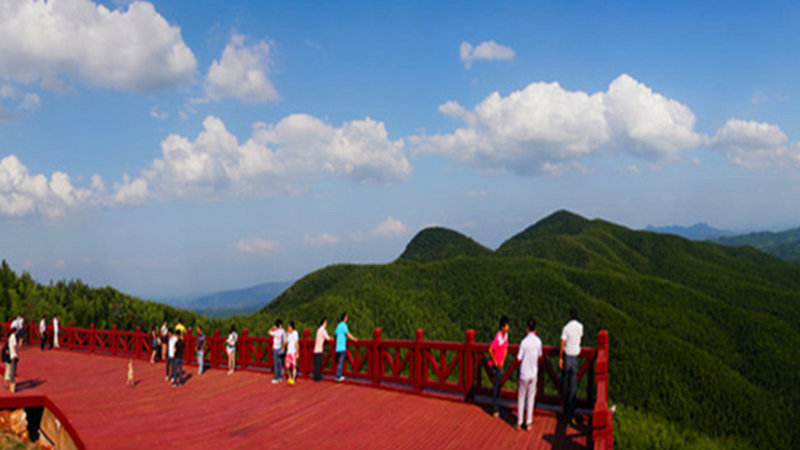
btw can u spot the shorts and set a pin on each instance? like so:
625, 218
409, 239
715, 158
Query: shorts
291, 360
230, 349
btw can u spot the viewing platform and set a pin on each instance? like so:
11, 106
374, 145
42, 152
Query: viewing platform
398, 394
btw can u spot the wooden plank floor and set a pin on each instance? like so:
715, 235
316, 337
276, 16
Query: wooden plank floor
245, 411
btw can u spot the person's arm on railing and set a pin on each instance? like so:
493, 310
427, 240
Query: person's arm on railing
561, 356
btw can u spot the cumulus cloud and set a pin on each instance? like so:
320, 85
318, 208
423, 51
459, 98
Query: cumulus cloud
545, 128
277, 157
254, 246
129, 192
80, 40
24, 194
323, 239
752, 144
489, 50
241, 73
21, 102
390, 227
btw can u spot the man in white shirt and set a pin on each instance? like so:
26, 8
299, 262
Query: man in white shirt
530, 350
278, 341
571, 337
56, 343
14, 357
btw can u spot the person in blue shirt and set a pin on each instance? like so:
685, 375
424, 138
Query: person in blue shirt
342, 335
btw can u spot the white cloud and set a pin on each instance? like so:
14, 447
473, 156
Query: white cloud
752, 144
323, 239
279, 157
257, 246
241, 73
30, 102
129, 192
631, 168
158, 114
23, 194
489, 50
390, 227
132, 49
545, 128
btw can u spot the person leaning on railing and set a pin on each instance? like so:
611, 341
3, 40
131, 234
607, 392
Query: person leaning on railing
497, 353
342, 335
568, 362
319, 347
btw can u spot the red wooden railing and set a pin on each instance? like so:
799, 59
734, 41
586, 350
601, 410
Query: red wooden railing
449, 370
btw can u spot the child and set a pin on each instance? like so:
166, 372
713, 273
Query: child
292, 354
131, 381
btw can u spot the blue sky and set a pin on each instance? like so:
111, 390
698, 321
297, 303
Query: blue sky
174, 148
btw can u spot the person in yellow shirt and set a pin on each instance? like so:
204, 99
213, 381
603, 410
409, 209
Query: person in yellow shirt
180, 329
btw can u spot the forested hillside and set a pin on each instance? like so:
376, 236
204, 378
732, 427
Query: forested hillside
702, 335
77, 302
784, 244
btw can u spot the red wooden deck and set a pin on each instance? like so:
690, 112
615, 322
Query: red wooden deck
245, 411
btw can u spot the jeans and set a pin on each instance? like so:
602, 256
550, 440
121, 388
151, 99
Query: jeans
526, 395
44, 340
177, 371
498, 383
277, 366
317, 366
340, 363
200, 361
570, 383
13, 375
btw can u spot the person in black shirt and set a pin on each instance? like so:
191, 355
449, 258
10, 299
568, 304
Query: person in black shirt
177, 363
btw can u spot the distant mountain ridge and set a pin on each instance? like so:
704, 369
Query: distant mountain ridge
783, 244
698, 232
237, 301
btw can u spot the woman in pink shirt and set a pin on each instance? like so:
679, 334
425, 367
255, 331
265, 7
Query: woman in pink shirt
319, 347
497, 353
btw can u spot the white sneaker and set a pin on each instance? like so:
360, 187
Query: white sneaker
274, 381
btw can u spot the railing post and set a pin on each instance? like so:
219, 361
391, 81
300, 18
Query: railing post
71, 336
306, 347
602, 421
375, 358
244, 346
137, 342
113, 340
469, 364
214, 347
418, 361
91, 339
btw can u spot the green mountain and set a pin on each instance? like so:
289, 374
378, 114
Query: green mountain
437, 243
702, 335
784, 244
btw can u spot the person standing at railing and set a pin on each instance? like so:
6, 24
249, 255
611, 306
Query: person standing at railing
497, 353
530, 350
292, 353
164, 342
154, 344
342, 335
230, 349
278, 343
571, 337
6, 357
42, 332
172, 339
56, 342
319, 347
177, 361
13, 356
180, 329
201, 349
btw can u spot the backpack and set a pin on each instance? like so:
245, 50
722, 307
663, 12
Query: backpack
6, 356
